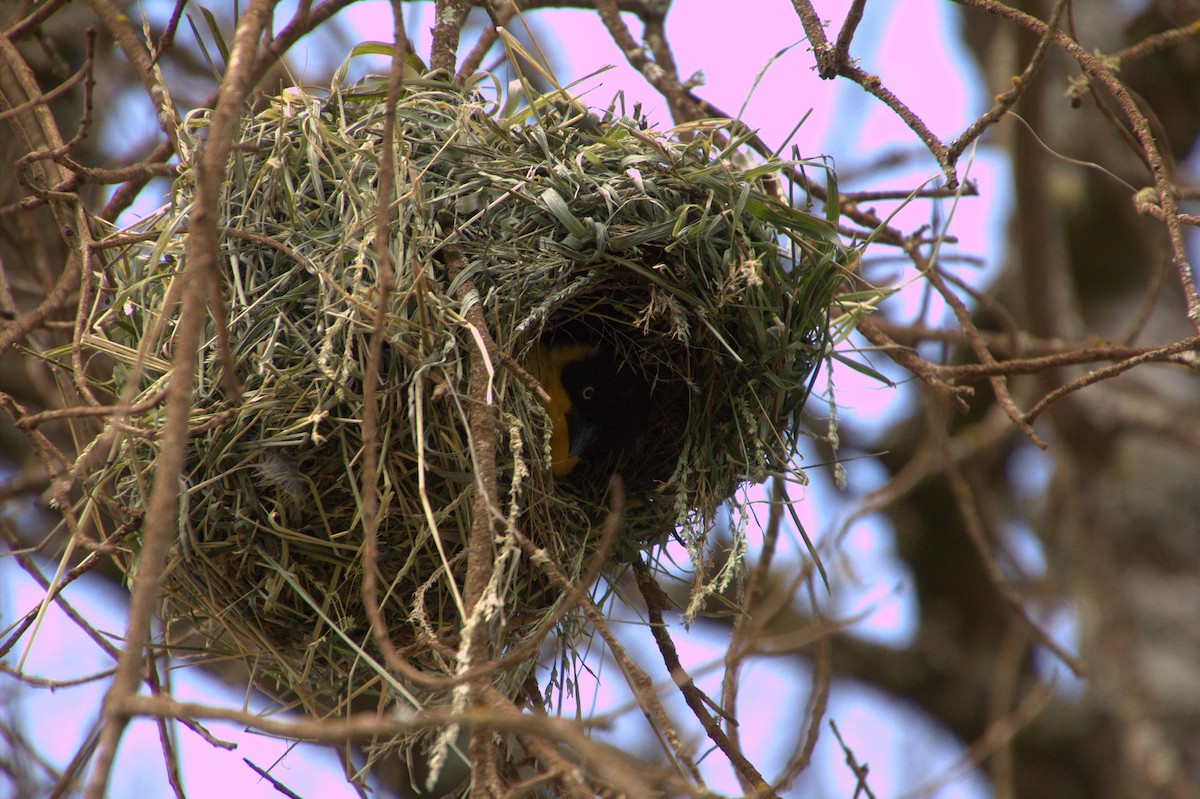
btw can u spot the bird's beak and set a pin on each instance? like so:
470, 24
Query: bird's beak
581, 433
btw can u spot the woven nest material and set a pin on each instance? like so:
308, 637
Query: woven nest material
665, 248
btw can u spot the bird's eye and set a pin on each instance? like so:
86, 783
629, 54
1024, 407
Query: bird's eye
588, 392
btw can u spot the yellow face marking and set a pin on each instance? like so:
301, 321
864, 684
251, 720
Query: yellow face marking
546, 364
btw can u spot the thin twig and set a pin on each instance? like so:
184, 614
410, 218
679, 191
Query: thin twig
968, 512
450, 16
1186, 345
1099, 69
163, 507
656, 601
1008, 99
835, 62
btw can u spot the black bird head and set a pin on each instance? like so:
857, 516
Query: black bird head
598, 405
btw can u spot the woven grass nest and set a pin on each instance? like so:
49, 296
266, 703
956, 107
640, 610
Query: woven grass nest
668, 248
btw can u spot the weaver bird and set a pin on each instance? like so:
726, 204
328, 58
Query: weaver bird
596, 406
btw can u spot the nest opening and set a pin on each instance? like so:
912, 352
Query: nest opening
646, 441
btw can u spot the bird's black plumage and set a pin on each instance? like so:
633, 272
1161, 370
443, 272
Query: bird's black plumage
598, 405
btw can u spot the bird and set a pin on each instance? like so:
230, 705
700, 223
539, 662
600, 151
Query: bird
597, 405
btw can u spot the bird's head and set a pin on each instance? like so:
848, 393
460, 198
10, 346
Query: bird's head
598, 405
